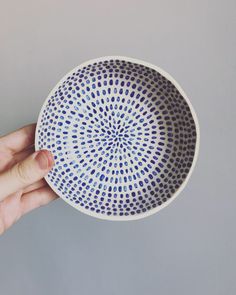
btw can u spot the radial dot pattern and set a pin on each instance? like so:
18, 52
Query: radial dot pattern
122, 136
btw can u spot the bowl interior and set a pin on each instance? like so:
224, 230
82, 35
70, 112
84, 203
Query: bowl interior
123, 138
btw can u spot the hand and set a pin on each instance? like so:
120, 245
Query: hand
22, 187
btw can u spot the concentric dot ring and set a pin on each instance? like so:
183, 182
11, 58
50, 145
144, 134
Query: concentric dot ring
124, 136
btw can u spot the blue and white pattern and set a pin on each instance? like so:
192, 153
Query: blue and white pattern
123, 137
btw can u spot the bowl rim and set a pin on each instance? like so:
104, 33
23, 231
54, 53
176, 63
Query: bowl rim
196, 151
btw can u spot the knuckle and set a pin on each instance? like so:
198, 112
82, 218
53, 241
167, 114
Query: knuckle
22, 173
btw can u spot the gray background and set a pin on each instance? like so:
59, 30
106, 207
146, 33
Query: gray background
190, 246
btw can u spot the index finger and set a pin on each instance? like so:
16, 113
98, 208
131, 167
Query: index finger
19, 139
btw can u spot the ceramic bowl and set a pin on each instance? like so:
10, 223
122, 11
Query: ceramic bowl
124, 136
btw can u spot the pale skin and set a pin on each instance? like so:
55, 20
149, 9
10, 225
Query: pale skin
22, 187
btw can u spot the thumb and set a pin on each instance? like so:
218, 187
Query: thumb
26, 172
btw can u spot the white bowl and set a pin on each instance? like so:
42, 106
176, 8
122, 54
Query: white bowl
124, 136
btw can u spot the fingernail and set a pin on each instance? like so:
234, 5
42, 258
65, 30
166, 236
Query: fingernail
44, 159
